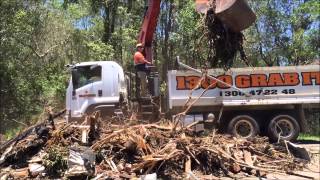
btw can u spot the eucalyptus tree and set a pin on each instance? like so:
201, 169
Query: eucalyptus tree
286, 32
34, 39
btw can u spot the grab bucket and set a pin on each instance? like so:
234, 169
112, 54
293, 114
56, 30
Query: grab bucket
236, 14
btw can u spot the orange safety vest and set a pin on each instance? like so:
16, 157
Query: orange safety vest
138, 58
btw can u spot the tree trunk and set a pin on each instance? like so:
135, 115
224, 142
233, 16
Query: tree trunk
129, 6
114, 5
106, 24
165, 49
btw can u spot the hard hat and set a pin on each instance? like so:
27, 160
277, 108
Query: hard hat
139, 45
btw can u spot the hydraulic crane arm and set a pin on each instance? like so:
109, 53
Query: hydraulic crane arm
236, 14
149, 26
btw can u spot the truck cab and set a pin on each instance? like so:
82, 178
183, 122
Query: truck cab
95, 86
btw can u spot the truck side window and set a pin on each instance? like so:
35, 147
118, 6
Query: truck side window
87, 75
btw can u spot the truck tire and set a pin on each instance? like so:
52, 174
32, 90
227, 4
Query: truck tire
243, 126
284, 125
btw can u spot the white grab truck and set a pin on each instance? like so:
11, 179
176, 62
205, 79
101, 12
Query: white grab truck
244, 101
249, 101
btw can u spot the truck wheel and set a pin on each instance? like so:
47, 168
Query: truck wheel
284, 126
243, 126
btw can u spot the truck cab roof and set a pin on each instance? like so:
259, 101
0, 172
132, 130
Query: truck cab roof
102, 63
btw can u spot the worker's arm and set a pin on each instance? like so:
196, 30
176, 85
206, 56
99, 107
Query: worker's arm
146, 61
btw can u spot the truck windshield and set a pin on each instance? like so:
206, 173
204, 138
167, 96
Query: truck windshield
84, 75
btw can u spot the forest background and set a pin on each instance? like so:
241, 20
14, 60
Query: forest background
39, 37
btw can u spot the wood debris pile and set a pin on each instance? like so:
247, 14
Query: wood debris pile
129, 151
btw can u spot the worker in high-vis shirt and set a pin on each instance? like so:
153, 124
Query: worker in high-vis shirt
140, 64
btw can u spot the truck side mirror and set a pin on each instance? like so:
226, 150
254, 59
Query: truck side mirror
75, 78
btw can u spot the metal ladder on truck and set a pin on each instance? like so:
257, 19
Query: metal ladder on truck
147, 106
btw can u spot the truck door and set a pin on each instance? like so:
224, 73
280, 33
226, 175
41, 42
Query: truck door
86, 81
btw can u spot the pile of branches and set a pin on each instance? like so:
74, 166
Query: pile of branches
132, 150
181, 154
224, 44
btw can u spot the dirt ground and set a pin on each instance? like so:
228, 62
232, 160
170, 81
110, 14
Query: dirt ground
312, 171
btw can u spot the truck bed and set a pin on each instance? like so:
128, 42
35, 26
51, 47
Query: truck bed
259, 86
